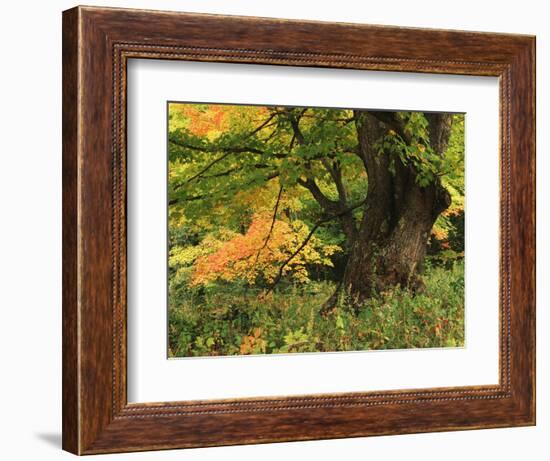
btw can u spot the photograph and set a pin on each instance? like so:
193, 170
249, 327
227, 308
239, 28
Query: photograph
313, 229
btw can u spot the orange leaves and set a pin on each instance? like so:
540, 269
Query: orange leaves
208, 120
454, 210
236, 257
253, 343
439, 233
439, 326
204, 121
248, 256
211, 120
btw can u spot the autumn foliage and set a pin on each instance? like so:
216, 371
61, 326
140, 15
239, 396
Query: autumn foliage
258, 253
264, 208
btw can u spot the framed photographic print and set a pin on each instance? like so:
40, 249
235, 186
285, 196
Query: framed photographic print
281, 230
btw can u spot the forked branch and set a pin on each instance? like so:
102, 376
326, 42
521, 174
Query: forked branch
306, 241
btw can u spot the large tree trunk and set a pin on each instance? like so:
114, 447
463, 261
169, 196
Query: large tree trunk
391, 241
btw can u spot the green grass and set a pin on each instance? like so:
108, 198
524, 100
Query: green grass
218, 321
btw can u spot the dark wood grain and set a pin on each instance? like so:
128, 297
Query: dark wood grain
70, 390
97, 43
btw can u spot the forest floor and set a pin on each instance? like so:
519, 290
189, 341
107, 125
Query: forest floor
217, 321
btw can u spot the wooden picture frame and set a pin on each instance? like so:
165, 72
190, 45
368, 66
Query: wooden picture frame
97, 43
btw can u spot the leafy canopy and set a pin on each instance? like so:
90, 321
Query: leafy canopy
238, 204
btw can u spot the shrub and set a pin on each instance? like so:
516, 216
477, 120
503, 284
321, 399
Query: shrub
220, 321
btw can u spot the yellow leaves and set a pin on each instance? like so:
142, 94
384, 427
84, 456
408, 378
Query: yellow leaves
439, 233
180, 256
262, 199
261, 251
256, 199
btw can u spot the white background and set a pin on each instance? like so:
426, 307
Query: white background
30, 230
153, 378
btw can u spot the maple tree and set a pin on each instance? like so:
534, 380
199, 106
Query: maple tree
264, 194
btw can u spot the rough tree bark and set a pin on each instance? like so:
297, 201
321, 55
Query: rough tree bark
391, 240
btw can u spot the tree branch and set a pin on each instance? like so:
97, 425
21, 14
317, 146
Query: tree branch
295, 124
227, 152
174, 201
221, 174
188, 199
349, 225
328, 205
390, 119
276, 209
263, 125
207, 167
211, 150
336, 175
307, 239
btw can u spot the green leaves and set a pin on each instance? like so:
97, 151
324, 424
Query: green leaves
419, 154
236, 321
